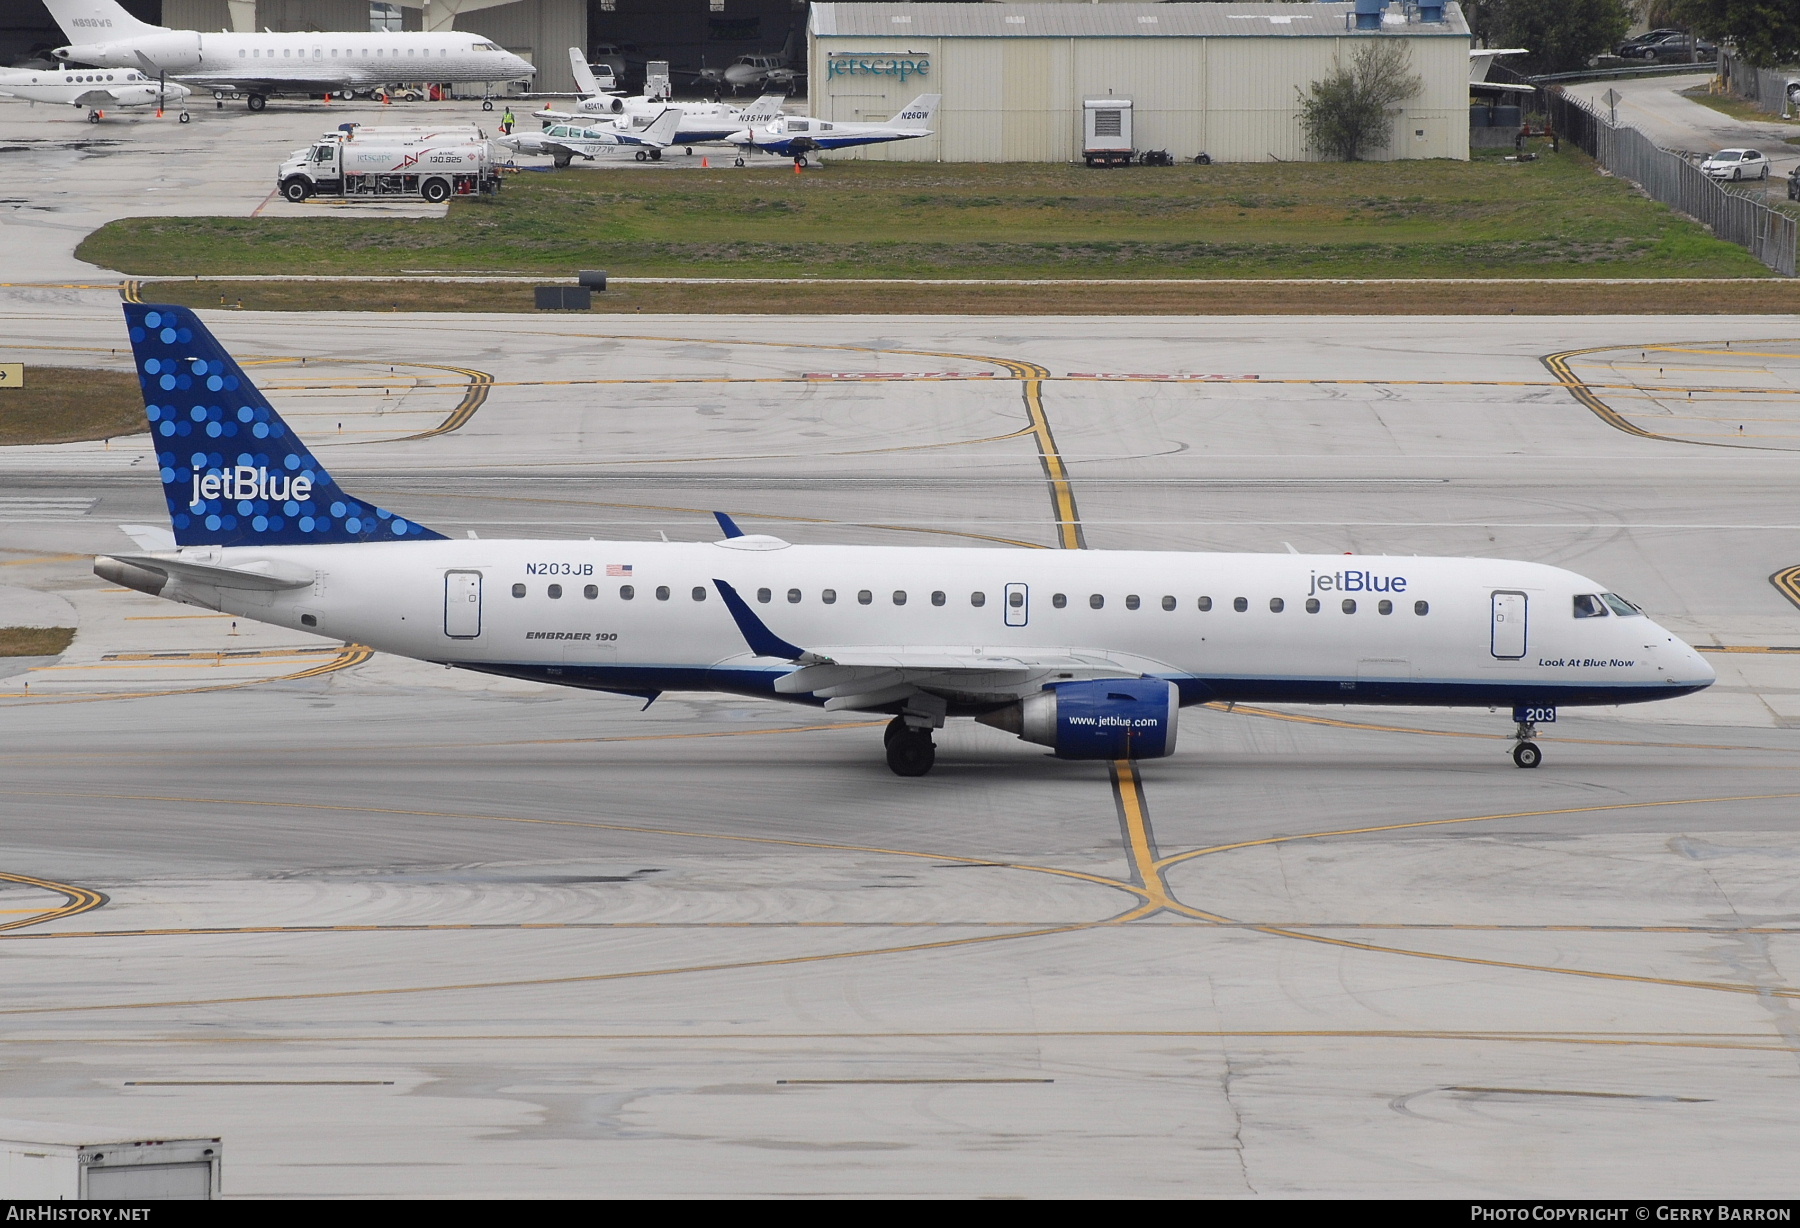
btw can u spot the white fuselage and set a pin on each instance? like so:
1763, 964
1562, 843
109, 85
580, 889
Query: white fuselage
90, 87
327, 60
1164, 614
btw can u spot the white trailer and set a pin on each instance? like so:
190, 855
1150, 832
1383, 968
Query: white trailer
1106, 131
50, 1162
431, 168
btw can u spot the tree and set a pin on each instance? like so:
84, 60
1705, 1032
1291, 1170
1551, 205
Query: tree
1561, 35
1763, 32
1351, 110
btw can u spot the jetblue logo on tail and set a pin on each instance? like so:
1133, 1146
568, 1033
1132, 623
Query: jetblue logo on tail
232, 471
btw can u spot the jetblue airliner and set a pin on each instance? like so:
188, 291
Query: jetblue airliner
1090, 653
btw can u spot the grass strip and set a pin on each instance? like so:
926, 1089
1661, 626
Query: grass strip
35, 641
69, 404
1487, 217
1775, 296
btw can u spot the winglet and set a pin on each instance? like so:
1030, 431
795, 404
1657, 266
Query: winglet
763, 642
728, 526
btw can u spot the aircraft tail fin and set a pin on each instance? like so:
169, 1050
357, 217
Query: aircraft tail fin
585, 81
232, 471
661, 132
768, 106
916, 116
96, 21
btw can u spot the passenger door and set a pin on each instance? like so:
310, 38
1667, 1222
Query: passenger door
462, 604
1018, 605
1507, 637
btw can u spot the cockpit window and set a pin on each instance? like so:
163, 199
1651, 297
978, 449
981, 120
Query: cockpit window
1620, 606
1589, 606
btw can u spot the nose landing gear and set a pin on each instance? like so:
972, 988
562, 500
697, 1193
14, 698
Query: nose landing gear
1525, 752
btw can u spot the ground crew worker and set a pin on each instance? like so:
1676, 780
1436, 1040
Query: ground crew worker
506, 122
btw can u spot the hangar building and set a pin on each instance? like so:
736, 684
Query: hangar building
1224, 79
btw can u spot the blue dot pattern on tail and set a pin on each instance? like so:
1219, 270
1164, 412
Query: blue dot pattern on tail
232, 471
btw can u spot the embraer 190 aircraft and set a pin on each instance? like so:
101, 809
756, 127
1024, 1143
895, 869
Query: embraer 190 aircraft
262, 65
1091, 653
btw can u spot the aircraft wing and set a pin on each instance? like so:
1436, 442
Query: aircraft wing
861, 677
1502, 87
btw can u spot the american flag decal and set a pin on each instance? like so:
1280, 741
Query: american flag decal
618, 569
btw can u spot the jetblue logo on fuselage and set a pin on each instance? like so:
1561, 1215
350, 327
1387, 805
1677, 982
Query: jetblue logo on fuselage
245, 482
1355, 582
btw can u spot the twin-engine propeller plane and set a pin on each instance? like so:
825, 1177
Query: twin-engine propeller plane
98, 89
565, 142
795, 136
1090, 653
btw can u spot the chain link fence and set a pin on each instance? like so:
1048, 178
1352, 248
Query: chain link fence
1770, 235
1771, 89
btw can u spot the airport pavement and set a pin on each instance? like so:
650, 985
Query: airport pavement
391, 929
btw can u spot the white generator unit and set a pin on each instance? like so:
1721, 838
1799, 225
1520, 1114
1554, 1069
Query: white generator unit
1106, 131
81, 1164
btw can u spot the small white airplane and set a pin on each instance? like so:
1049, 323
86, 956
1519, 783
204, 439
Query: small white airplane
1089, 652
795, 136
584, 138
1482, 58
260, 66
98, 89
702, 123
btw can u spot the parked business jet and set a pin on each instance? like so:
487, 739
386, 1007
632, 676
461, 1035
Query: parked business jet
795, 136
98, 89
260, 66
566, 142
1091, 653
702, 123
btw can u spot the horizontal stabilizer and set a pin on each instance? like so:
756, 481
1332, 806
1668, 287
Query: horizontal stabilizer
149, 573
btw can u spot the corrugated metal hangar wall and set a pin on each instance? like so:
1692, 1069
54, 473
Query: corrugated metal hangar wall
540, 30
1224, 79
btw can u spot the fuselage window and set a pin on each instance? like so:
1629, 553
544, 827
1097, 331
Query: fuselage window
518, 590
1276, 605
828, 596
980, 599
1384, 607
662, 592
699, 593
1312, 605
1620, 606
555, 592
1349, 605
793, 596
899, 596
937, 597
764, 595
1240, 604
1058, 599
1096, 601
1131, 601
1168, 603
1205, 604
626, 592
591, 591
1589, 606
1421, 608
864, 597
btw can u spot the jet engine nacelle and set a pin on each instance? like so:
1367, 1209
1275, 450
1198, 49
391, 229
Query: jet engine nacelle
607, 106
1108, 718
166, 52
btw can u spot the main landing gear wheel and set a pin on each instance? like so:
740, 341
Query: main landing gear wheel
910, 752
185, 117
256, 102
487, 104
642, 156
1527, 755
93, 117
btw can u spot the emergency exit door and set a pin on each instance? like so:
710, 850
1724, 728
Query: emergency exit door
1018, 605
1508, 638
462, 604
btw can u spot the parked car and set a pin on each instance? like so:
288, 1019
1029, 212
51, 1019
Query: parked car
1737, 164
1667, 47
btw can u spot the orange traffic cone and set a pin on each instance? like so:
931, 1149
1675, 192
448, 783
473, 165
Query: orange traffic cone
796, 168
703, 162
